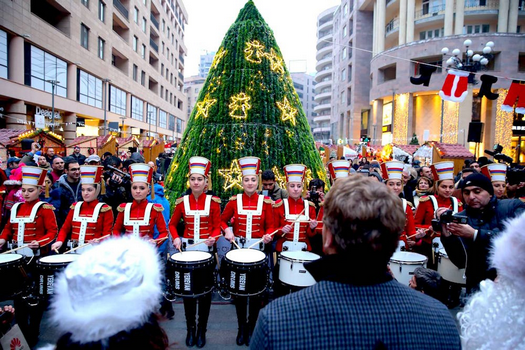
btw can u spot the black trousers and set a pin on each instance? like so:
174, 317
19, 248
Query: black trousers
255, 304
190, 309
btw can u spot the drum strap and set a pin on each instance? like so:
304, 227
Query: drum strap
197, 214
137, 223
404, 205
84, 220
288, 216
249, 213
23, 221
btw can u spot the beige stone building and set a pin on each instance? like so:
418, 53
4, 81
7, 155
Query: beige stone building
90, 60
409, 32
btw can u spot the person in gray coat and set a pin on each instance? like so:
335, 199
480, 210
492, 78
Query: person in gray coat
356, 304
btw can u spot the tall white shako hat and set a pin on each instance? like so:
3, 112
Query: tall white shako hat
141, 172
442, 171
339, 168
495, 172
91, 174
199, 165
34, 176
392, 170
249, 165
295, 172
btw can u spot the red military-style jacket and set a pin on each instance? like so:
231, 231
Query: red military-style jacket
425, 213
210, 224
261, 224
102, 227
44, 225
138, 212
410, 227
296, 207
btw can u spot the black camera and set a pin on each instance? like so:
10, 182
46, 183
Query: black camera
314, 196
446, 218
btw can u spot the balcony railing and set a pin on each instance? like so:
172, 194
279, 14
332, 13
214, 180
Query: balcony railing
181, 59
427, 11
121, 8
154, 21
471, 5
153, 44
181, 76
392, 25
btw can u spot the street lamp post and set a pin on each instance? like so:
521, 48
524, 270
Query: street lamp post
105, 82
53, 85
149, 124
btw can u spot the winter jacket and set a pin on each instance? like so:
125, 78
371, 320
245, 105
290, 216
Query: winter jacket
160, 199
67, 197
489, 222
80, 158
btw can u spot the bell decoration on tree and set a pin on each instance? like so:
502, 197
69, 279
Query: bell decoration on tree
248, 106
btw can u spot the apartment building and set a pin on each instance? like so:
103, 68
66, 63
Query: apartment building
305, 87
410, 32
93, 60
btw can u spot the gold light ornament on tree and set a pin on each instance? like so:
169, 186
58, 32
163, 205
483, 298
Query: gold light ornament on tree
204, 106
218, 56
279, 177
232, 176
276, 63
239, 106
288, 112
254, 52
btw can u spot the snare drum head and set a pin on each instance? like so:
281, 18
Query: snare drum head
300, 255
192, 255
7, 258
58, 259
407, 257
245, 255
443, 252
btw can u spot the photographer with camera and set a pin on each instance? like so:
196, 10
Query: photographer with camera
468, 245
118, 184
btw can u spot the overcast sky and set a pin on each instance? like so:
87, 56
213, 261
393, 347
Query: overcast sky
292, 21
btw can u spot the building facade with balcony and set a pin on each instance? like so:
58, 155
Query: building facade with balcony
323, 77
90, 60
192, 88
205, 64
305, 87
408, 33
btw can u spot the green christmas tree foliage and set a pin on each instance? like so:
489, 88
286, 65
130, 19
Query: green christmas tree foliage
247, 107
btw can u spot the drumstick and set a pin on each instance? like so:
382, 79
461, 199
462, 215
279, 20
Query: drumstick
56, 251
217, 258
24, 246
235, 244
195, 244
83, 245
160, 239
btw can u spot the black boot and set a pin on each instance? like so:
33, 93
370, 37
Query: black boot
201, 337
249, 332
241, 335
190, 337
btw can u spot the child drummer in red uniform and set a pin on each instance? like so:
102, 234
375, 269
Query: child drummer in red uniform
202, 217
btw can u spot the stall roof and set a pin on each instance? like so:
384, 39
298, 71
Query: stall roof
101, 140
12, 136
447, 150
9, 136
410, 149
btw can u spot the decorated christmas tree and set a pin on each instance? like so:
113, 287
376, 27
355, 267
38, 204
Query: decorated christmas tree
247, 107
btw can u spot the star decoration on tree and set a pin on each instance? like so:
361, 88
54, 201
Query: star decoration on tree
308, 177
287, 111
276, 63
279, 177
254, 47
232, 176
239, 106
218, 56
203, 107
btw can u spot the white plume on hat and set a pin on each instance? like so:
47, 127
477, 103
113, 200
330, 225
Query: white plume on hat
113, 287
494, 318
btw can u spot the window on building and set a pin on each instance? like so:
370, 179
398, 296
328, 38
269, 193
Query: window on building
135, 72
136, 15
101, 48
476, 28
163, 25
163, 119
345, 31
145, 2
85, 3
162, 69
143, 78
168, 32
101, 11
387, 73
89, 89
161, 91
179, 125
163, 47
429, 34
44, 67
137, 108
152, 115
3, 54
344, 53
144, 24
117, 100
143, 52
343, 74
345, 9
84, 36
135, 43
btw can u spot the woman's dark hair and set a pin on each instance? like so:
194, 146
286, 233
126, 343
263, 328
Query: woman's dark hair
148, 336
318, 183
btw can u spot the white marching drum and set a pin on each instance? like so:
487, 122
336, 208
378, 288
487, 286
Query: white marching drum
289, 246
400, 246
292, 271
48, 267
448, 270
26, 251
403, 264
244, 272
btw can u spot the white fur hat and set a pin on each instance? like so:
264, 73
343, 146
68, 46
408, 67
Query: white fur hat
113, 287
